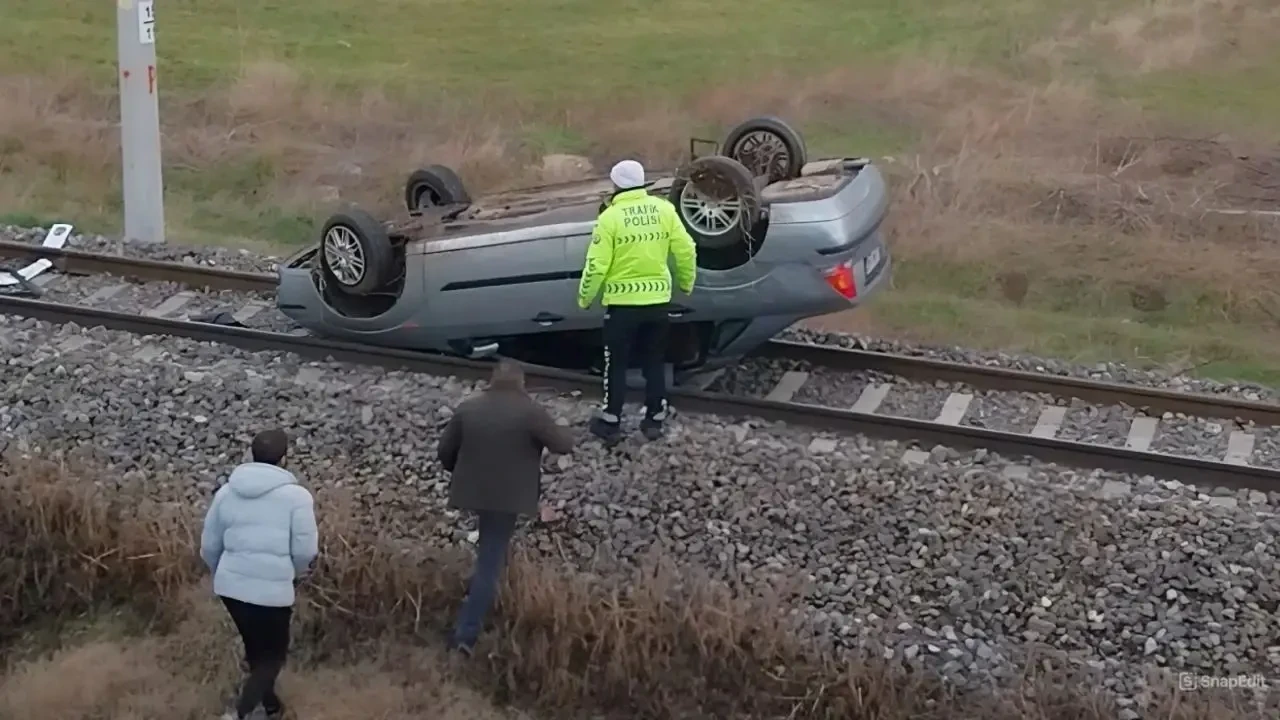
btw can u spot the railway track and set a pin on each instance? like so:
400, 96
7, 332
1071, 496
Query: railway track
161, 298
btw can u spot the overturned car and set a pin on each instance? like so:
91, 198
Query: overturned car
779, 239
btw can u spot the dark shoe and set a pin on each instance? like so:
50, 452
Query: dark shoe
465, 649
275, 713
606, 431
651, 429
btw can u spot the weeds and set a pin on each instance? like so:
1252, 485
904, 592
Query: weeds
1092, 188
663, 644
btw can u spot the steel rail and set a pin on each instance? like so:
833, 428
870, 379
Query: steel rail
78, 262
826, 356
1007, 379
1187, 469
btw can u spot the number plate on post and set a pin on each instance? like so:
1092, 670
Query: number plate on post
146, 22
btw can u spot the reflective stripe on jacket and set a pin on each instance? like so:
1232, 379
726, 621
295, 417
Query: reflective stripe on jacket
627, 258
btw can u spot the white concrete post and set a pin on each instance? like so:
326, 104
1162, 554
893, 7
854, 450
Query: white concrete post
139, 121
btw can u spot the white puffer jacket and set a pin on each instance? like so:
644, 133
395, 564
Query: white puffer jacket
259, 534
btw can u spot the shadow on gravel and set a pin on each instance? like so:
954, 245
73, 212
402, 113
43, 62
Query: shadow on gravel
662, 644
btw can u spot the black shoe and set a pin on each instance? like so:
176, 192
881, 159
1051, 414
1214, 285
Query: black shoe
275, 713
652, 429
604, 430
464, 649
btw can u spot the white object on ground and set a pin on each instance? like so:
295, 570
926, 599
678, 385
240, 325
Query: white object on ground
56, 238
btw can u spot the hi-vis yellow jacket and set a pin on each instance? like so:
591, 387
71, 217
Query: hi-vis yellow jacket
628, 252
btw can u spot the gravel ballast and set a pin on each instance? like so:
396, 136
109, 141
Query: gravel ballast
967, 563
1114, 372
1012, 412
1017, 412
228, 258
1107, 371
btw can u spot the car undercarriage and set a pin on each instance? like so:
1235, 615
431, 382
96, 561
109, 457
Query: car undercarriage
778, 239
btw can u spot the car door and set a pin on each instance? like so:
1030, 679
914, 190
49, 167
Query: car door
497, 289
566, 304
682, 309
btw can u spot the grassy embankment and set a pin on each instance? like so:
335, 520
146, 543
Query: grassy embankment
105, 614
1034, 208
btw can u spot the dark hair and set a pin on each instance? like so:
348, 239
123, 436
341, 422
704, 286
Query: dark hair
507, 375
270, 446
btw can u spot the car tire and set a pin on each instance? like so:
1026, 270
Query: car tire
356, 255
438, 185
767, 146
701, 192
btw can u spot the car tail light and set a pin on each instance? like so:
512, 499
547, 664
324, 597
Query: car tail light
840, 278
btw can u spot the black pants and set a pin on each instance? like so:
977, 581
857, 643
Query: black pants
628, 328
265, 632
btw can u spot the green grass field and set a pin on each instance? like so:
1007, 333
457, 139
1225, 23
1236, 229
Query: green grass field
264, 101
547, 50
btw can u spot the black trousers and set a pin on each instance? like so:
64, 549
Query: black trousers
628, 329
265, 632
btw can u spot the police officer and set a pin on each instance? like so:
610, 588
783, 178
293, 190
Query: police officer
627, 259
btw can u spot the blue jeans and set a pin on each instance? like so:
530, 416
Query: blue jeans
496, 530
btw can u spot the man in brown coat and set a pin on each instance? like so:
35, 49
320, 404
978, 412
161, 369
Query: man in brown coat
493, 449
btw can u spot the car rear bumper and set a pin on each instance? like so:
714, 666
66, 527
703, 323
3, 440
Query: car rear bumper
863, 195
873, 266
809, 297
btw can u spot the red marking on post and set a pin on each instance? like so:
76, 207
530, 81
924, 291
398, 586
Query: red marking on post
126, 74
151, 79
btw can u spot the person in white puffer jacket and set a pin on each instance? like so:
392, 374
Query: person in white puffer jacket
259, 537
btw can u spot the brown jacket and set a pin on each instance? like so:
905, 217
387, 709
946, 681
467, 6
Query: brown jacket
493, 448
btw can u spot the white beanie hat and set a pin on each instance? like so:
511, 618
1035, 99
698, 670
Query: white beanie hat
627, 175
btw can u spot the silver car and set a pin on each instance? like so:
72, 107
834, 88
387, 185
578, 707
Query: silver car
779, 239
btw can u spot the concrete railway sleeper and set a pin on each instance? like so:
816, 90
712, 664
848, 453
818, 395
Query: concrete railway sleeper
944, 430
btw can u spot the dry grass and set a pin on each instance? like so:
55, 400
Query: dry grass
264, 141
1026, 176
1042, 193
1009, 172
664, 644
270, 136
167, 676
1163, 35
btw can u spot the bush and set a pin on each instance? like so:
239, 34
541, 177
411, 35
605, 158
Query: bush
664, 643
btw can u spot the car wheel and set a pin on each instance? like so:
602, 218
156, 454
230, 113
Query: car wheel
434, 186
355, 252
768, 147
718, 202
